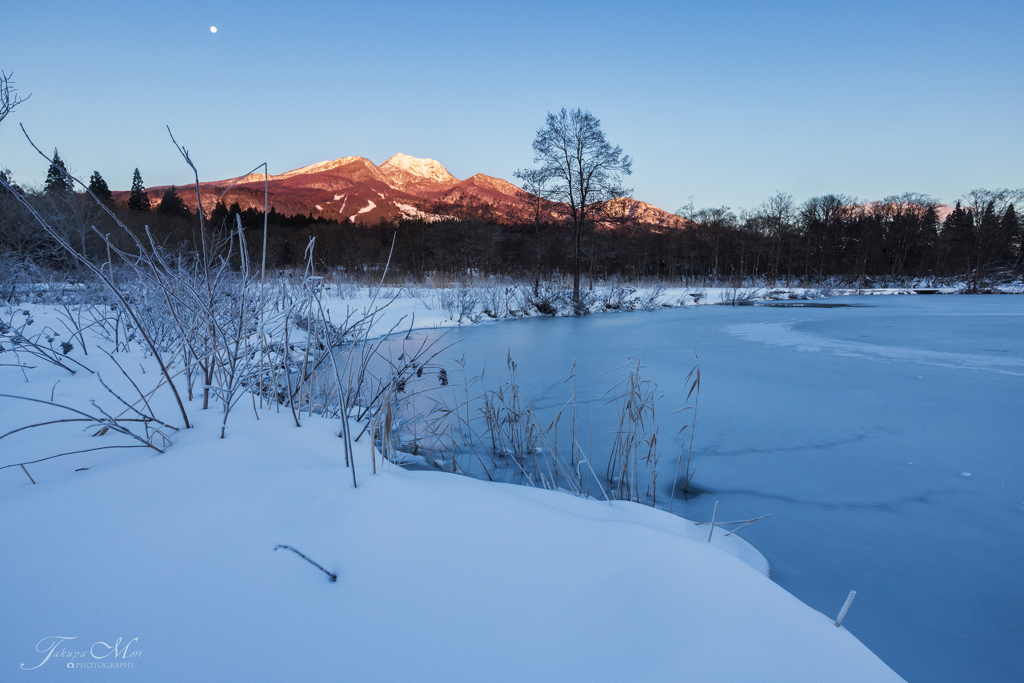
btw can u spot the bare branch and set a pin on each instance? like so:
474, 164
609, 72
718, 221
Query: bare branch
9, 98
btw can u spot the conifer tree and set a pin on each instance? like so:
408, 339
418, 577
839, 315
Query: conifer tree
219, 215
1010, 226
1010, 232
138, 200
958, 235
57, 181
9, 179
959, 225
987, 232
172, 204
98, 186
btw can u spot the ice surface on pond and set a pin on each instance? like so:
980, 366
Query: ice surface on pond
886, 440
783, 334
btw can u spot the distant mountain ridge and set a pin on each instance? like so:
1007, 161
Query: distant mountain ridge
355, 189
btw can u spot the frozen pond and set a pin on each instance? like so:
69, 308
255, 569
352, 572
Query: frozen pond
885, 438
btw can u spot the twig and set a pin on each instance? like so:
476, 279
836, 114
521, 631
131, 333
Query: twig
43, 424
713, 516
334, 577
84, 450
747, 523
128, 377
738, 521
846, 606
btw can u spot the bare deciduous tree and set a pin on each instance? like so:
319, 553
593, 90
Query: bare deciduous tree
582, 171
536, 211
774, 220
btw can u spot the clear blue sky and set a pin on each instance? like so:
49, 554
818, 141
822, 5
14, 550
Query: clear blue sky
726, 102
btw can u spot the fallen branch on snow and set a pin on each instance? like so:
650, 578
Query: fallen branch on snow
334, 577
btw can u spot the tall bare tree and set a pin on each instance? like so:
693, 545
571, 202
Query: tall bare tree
535, 211
824, 222
775, 220
581, 170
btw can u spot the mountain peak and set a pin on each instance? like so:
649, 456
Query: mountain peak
305, 170
403, 170
323, 166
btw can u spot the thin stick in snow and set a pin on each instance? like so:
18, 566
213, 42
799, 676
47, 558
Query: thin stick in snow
741, 522
846, 606
713, 517
747, 523
334, 577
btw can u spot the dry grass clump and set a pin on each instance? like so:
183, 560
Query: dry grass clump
479, 428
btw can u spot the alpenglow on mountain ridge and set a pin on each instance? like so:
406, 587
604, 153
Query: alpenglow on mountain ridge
356, 190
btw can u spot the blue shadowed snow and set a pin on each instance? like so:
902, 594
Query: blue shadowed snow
855, 427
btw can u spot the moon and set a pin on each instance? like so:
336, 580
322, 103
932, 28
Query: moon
213, 29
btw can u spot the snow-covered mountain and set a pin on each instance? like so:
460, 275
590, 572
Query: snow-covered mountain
410, 174
354, 189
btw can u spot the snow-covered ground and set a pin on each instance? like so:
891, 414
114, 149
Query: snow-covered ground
170, 559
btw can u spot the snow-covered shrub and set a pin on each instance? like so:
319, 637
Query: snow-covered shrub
341, 289
618, 298
460, 303
585, 304
19, 338
12, 271
739, 296
622, 298
824, 289
650, 298
425, 295
547, 297
500, 298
